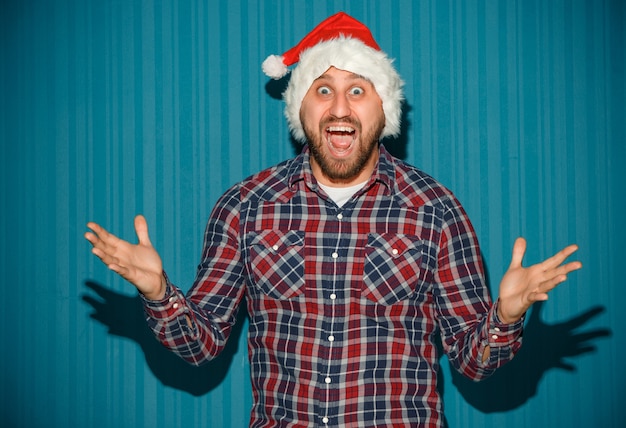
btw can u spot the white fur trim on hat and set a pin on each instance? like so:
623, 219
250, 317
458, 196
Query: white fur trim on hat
351, 55
274, 67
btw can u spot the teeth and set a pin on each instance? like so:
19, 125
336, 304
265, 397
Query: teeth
340, 129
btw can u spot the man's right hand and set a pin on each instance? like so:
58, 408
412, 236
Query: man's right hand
139, 264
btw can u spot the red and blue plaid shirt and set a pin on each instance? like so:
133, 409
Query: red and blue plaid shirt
345, 303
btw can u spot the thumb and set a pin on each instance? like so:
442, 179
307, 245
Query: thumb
519, 249
141, 228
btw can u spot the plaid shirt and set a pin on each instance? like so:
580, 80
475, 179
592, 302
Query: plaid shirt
344, 303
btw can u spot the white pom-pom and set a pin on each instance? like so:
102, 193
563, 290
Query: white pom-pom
274, 67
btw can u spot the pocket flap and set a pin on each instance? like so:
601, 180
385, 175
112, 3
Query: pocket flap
394, 245
277, 240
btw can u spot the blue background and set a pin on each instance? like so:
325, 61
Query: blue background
112, 108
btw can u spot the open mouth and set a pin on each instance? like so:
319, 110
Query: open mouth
340, 139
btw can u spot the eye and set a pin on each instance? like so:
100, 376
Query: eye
323, 90
357, 90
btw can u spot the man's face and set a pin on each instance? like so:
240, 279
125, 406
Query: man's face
342, 117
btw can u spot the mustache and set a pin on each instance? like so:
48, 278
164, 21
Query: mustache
325, 122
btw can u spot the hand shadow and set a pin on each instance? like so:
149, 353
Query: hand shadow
124, 317
544, 347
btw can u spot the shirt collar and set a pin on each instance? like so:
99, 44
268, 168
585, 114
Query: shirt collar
300, 170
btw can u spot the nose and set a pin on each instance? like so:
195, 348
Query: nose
340, 106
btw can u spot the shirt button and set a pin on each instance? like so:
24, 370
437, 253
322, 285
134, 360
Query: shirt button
339, 216
394, 251
325, 420
327, 380
497, 329
175, 305
494, 337
335, 255
333, 296
275, 247
331, 338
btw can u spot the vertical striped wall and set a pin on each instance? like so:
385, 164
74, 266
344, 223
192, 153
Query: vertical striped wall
112, 108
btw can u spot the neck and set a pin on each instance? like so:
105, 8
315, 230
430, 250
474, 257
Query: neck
361, 176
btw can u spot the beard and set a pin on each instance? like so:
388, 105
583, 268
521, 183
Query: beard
343, 169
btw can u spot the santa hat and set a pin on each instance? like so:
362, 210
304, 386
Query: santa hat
342, 42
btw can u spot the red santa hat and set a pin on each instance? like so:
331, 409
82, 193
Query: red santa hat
342, 42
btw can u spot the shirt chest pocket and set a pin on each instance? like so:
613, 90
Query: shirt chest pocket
276, 261
391, 268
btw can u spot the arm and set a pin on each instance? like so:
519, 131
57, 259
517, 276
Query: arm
474, 336
467, 319
198, 325
195, 326
477, 340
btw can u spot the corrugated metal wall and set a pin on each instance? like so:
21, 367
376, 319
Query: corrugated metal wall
112, 108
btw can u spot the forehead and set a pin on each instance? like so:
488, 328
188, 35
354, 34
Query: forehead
337, 75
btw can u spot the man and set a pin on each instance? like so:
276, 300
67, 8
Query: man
350, 261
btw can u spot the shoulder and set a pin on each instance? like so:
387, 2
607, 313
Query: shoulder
414, 187
416, 190
269, 184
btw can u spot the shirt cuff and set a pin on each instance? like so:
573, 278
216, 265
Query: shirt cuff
501, 334
168, 308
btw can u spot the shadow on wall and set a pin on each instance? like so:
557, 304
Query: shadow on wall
124, 317
545, 347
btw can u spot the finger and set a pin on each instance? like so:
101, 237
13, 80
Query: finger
569, 268
558, 276
94, 240
141, 228
519, 249
538, 296
559, 257
122, 271
552, 283
554, 277
105, 257
102, 247
118, 269
91, 237
100, 236
96, 228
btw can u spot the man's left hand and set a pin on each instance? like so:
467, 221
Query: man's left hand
522, 286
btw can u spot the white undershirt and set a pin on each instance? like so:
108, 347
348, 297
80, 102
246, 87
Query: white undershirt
341, 195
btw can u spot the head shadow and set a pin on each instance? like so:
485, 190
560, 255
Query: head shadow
397, 146
123, 316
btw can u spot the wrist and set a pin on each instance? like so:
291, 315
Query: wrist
159, 292
503, 317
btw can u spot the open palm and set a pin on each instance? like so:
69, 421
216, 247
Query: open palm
139, 264
522, 286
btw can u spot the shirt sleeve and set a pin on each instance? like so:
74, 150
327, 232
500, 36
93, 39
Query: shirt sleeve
197, 325
467, 317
